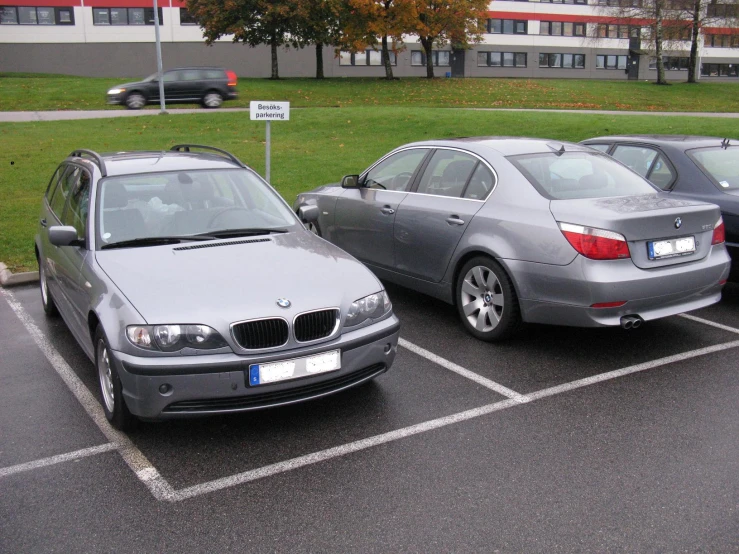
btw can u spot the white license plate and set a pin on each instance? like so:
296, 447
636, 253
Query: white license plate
659, 249
274, 372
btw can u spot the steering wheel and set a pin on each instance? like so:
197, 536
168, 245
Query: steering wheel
401, 180
219, 213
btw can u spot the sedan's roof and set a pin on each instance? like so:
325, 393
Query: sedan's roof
680, 142
506, 146
128, 163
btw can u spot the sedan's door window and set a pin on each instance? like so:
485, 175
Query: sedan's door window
62, 190
638, 158
661, 173
78, 206
395, 172
447, 173
54, 182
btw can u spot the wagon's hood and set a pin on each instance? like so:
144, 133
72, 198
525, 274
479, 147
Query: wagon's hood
218, 282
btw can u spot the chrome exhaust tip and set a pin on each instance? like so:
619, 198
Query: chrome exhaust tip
631, 322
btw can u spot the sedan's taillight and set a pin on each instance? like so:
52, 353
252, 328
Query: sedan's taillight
232, 78
719, 232
596, 244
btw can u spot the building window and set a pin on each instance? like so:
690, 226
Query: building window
562, 28
671, 63
368, 57
583, 2
501, 59
621, 3
508, 26
611, 62
186, 18
124, 16
562, 61
722, 41
617, 31
722, 10
720, 69
30, 15
439, 57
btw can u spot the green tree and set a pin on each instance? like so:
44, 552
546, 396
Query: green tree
318, 23
252, 22
440, 22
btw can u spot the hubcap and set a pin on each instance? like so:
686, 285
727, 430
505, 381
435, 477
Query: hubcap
136, 101
42, 282
106, 376
212, 100
482, 299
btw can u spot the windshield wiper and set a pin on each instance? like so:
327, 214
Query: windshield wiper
246, 232
151, 241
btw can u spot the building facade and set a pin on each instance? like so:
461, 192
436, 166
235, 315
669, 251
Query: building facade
548, 39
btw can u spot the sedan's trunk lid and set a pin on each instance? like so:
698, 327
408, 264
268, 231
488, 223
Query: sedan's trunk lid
644, 219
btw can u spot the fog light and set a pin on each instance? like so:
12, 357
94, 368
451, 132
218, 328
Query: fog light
388, 348
164, 389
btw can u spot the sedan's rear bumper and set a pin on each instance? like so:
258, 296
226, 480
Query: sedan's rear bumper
219, 383
563, 295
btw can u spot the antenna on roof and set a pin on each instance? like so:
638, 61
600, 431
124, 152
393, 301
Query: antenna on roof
557, 151
725, 143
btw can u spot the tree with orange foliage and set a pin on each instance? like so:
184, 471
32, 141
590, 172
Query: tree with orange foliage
440, 22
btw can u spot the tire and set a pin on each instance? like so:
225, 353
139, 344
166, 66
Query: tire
135, 101
486, 300
111, 390
212, 100
47, 301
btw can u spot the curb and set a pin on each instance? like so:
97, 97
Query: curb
9, 279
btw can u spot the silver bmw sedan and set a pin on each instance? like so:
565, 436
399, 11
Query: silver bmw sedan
515, 230
194, 289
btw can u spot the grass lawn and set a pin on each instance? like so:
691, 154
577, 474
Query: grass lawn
315, 147
55, 92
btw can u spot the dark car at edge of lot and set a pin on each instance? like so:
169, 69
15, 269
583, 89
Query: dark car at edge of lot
687, 167
208, 86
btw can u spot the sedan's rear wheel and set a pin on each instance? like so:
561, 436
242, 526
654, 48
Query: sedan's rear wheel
135, 101
46, 299
212, 99
110, 385
487, 301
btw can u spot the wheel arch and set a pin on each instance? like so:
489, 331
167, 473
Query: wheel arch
474, 253
92, 324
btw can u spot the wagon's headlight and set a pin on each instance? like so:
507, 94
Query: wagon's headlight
370, 307
170, 338
116, 90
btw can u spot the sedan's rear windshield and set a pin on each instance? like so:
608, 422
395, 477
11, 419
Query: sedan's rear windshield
579, 175
722, 164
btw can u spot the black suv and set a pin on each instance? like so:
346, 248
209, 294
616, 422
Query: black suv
208, 86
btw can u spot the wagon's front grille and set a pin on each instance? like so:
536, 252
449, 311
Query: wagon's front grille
315, 325
261, 333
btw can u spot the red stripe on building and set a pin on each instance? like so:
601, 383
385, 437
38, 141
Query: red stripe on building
123, 3
720, 31
42, 3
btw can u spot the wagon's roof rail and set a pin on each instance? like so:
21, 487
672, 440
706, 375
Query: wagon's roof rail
187, 147
90, 155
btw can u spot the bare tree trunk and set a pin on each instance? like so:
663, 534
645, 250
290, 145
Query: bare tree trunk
319, 60
386, 59
693, 63
275, 70
658, 42
427, 44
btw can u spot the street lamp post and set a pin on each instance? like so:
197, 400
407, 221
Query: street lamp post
159, 59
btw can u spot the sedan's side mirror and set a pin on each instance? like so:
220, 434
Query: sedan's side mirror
308, 214
350, 182
64, 235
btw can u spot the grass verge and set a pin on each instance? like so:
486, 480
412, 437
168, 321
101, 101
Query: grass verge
315, 147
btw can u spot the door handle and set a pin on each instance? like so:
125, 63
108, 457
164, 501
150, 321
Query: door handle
387, 210
42, 222
454, 220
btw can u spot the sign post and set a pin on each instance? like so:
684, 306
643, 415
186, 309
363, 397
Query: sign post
260, 110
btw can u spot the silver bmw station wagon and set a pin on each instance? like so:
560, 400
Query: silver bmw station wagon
195, 289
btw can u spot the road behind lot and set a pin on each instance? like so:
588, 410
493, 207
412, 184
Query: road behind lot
561, 440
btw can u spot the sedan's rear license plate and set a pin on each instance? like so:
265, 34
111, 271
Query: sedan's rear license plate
660, 249
284, 370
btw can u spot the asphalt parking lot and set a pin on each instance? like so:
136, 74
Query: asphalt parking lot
562, 440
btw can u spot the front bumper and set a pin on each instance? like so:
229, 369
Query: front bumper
114, 98
219, 383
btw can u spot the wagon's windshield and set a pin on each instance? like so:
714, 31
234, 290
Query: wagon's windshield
188, 203
720, 163
580, 175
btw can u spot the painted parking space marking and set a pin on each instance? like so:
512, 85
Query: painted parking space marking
711, 323
471, 375
163, 491
58, 459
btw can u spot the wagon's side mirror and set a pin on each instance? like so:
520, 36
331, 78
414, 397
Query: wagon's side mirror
64, 235
308, 214
350, 182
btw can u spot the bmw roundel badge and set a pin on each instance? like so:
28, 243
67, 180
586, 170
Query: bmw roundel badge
283, 303
678, 223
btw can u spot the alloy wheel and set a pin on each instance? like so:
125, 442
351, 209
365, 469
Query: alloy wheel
106, 376
482, 299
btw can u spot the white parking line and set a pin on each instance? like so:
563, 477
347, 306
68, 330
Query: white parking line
479, 379
711, 323
131, 455
58, 459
